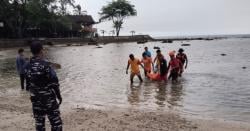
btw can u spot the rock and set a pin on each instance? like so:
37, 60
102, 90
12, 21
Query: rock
126, 114
99, 46
80, 109
50, 43
79, 45
142, 42
157, 48
93, 43
167, 41
185, 44
223, 54
208, 39
244, 67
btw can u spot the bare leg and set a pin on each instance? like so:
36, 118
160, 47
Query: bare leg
132, 75
181, 71
145, 73
22, 81
139, 76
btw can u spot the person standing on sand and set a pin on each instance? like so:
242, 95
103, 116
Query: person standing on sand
44, 90
174, 66
148, 63
183, 58
135, 70
20, 64
148, 53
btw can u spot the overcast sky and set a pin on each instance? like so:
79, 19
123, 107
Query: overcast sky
180, 17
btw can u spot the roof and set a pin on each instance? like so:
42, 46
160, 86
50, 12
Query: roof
84, 19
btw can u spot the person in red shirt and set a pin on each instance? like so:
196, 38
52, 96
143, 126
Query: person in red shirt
174, 66
183, 58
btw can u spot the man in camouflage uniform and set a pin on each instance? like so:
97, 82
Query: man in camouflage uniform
44, 90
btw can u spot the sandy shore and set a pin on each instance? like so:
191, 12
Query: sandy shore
16, 114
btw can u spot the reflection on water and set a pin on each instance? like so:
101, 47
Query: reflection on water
135, 93
165, 95
213, 86
175, 94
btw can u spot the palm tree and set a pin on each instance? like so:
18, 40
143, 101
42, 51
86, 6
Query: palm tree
112, 32
117, 11
132, 32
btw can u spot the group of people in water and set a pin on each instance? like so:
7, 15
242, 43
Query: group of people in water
158, 69
43, 85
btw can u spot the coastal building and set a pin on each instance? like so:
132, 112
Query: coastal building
82, 25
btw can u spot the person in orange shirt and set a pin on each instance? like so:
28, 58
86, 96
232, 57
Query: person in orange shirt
148, 63
135, 70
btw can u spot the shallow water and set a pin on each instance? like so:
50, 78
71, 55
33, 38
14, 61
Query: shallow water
213, 86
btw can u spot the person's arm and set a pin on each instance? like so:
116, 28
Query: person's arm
17, 65
23, 64
153, 68
139, 63
168, 67
127, 67
152, 63
186, 61
155, 59
54, 84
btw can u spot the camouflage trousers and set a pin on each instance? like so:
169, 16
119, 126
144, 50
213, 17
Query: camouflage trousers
43, 107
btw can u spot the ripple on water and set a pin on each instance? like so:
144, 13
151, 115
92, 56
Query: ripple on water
213, 86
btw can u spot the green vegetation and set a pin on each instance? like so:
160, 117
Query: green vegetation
117, 11
31, 18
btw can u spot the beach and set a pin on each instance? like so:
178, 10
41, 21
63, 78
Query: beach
16, 114
97, 95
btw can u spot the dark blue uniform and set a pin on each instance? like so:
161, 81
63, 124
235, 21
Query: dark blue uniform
44, 89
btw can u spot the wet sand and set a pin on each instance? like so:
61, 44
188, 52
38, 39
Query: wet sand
16, 114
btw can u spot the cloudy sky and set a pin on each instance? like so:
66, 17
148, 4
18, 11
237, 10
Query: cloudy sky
180, 17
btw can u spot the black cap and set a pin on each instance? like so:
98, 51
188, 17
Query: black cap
36, 47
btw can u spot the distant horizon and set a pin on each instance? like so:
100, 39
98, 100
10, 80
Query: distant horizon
197, 35
179, 18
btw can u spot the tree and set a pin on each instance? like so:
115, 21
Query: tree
64, 4
112, 32
78, 10
132, 32
32, 18
117, 11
